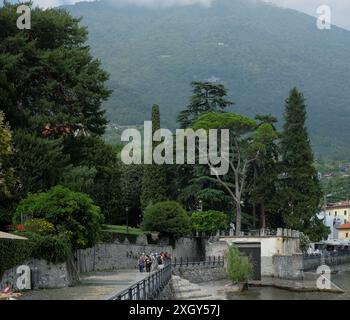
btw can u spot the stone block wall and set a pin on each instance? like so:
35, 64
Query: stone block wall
104, 256
109, 256
44, 275
116, 256
198, 274
288, 267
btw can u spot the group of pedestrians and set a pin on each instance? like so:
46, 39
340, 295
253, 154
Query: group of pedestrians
152, 262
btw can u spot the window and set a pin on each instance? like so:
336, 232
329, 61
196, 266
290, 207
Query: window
345, 212
345, 221
329, 213
335, 213
347, 235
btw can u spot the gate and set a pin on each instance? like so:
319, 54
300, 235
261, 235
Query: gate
252, 250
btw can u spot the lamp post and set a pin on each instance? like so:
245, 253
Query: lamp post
127, 219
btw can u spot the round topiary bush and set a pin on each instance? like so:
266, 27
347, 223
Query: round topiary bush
169, 218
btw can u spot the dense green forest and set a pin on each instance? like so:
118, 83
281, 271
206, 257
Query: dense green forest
256, 50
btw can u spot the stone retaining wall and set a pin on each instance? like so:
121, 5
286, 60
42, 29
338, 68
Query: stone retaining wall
312, 263
106, 256
44, 275
114, 256
198, 274
288, 267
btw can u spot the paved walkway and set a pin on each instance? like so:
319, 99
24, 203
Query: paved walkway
94, 286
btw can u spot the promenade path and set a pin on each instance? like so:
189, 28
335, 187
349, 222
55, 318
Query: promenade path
94, 286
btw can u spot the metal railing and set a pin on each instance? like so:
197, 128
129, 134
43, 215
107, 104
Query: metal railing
327, 254
312, 261
206, 262
249, 233
148, 288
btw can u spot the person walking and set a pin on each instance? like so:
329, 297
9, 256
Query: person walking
161, 261
148, 262
141, 263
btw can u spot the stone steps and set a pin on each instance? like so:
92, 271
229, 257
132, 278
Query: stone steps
185, 290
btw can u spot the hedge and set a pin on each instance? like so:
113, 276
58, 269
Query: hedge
52, 248
13, 252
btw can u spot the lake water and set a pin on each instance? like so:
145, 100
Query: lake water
342, 280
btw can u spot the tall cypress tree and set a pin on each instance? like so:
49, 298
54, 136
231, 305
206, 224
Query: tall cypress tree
300, 192
154, 176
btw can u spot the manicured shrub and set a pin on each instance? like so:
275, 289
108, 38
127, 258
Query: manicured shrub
168, 218
13, 252
209, 221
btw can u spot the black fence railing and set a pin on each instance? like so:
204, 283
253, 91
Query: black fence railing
148, 288
312, 261
196, 261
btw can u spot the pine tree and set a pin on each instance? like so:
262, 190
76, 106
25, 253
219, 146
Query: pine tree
48, 79
207, 96
300, 193
154, 176
193, 182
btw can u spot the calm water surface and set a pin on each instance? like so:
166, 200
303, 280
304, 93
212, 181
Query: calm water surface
269, 293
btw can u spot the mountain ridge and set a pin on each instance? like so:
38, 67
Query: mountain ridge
259, 51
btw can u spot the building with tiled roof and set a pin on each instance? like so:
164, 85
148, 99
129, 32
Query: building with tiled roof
339, 212
344, 231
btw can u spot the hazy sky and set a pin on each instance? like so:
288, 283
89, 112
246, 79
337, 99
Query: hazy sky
340, 8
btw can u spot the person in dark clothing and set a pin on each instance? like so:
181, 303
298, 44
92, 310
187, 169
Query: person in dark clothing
148, 263
141, 263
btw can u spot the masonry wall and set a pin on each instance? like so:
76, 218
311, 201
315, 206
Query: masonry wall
116, 256
105, 256
218, 248
312, 263
288, 267
198, 274
44, 275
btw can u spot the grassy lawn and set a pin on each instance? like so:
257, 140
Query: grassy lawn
122, 229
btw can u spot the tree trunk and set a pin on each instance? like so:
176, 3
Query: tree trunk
238, 218
254, 215
263, 216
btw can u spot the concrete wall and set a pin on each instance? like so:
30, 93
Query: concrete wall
45, 275
218, 248
116, 256
106, 256
198, 274
288, 267
312, 263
